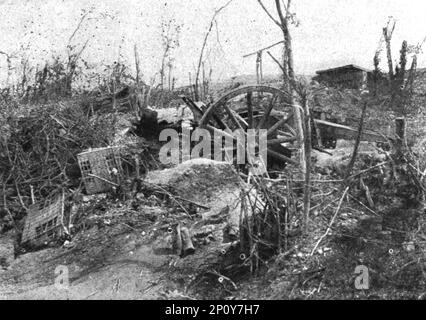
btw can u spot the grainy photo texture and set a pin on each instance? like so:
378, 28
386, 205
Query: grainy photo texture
212, 150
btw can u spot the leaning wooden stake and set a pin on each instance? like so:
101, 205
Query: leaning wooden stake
200, 59
103, 179
351, 164
137, 164
400, 134
331, 222
307, 159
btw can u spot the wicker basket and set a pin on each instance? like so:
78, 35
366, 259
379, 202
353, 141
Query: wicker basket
44, 223
99, 166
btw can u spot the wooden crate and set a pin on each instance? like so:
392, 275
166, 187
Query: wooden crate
98, 165
44, 222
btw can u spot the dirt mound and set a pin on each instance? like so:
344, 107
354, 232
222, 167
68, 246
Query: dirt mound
214, 184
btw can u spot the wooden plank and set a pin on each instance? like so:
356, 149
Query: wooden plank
349, 133
272, 129
232, 116
265, 48
281, 157
281, 140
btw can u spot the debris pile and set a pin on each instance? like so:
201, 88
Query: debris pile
69, 179
50, 150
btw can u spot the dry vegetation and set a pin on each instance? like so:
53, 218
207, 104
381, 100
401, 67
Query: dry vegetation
300, 236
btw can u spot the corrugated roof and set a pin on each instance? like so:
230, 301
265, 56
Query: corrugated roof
349, 66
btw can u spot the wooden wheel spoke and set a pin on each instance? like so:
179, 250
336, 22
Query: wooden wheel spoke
275, 127
244, 122
267, 112
285, 134
281, 157
291, 129
233, 116
220, 123
281, 140
250, 109
221, 132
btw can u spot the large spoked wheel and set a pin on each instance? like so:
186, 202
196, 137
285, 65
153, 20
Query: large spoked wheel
257, 107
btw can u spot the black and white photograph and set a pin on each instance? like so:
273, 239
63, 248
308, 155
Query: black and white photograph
235, 151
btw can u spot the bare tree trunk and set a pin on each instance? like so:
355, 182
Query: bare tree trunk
400, 134
307, 160
410, 80
9, 67
258, 68
289, 67
203, 92
190, 86
387, 34
291, 77
200, 59
303, 128
287, 38
197, 73
397, 95
169, 80
286, 82
351, 164
162, 70
376, 72
137, 63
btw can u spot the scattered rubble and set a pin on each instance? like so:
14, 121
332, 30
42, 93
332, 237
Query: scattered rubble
201, 223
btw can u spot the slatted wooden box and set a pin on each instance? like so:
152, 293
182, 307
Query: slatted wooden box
44, 222
98, 165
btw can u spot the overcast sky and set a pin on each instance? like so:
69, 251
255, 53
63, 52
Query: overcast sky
331, 32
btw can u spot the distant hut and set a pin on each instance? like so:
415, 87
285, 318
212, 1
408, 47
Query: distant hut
348, 77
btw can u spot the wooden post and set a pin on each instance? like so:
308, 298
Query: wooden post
170, 72
298, 123
258, 69
400, 133
137, 164
317, 130
190, 86
260, 66
387, 34
137, 63
307, 143
203, 91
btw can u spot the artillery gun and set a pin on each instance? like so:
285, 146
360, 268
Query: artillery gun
266, 107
